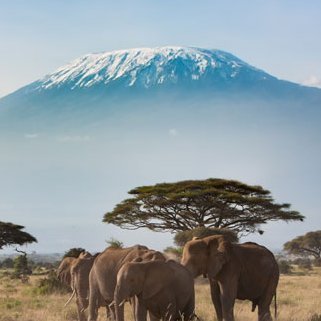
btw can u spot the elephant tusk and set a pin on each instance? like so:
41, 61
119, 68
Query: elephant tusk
69, 300
122, 303
111, 304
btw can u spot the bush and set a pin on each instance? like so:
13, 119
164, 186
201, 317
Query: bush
175, 251
285, 267
317, 262
303, 263
20, 265
115, 243
50, 285
74, 252
7, 263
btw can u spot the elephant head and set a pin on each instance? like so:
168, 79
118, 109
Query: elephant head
141, 279
64, 270
151, 255
207, 255
130, 282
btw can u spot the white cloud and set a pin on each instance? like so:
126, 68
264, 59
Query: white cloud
173, 132
312, 81
73, 138
31, 136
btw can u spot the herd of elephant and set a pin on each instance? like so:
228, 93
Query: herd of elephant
164, 289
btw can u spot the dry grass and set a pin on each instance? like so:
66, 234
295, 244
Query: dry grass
298, 300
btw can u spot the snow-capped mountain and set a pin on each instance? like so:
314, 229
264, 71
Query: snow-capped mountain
149, 67
100, 86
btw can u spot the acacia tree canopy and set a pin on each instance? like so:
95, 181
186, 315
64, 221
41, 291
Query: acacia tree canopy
186, 205
308, 244
11, 234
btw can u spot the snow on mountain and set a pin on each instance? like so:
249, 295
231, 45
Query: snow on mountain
148, 67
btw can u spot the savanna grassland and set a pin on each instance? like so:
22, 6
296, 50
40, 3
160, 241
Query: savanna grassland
299, 299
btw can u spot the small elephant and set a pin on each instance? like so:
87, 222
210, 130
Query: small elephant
245, 271
166, 289
63, 271
74, 272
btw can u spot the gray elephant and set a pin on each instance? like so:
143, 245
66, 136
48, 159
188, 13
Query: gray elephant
245, 271
103, 275
63, 271
166, 289
75, 273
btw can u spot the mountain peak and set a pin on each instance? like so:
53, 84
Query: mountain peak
149, 67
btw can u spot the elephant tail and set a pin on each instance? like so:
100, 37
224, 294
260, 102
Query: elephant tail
275, 307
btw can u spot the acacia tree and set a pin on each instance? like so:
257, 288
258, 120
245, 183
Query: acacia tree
211, 203
305, 245
11, 234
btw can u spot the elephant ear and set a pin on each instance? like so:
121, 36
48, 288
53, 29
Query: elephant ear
219, 254
156, 279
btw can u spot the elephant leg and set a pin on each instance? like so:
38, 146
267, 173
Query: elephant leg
228, 296
264, 313
113, 313
80, 311
140, 311
215, 295
108, 313
93, 304
264, 303
189, 311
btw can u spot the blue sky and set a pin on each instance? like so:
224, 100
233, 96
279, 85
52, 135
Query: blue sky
281, 37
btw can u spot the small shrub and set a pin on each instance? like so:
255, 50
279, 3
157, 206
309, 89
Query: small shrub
303, 263
50, 285
21, 267
115, 243
174, 251
9, 303
74, 252
7, 263
285, 267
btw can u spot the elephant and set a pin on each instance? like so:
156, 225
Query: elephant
245, 271
75, 273
103, 275
63, 271
166, 289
